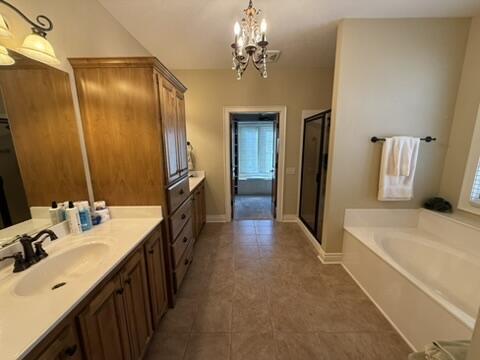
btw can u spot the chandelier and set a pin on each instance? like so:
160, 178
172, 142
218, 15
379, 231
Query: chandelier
250, 43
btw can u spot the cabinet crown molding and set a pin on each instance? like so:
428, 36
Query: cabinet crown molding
144, 61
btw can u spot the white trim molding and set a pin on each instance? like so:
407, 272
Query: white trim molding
325, 257
216, 218
282, 111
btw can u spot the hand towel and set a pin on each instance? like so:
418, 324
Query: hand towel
393, 187
403, 151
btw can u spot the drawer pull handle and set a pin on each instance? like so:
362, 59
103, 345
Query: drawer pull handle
151, 251
185, 239
120, 291
181, 192
183, 216
71, 350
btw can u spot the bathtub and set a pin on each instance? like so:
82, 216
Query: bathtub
420, 268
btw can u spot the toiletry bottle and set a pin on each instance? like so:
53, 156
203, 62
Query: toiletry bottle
55, 213
73, 219
82, 212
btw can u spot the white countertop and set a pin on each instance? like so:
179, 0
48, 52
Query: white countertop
196, 179
26, 320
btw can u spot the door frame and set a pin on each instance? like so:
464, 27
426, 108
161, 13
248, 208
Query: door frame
282, 118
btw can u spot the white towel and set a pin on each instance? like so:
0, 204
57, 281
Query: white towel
403, 149
398, 157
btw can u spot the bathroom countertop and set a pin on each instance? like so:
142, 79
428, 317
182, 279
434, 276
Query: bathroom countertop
196, 179
26, 320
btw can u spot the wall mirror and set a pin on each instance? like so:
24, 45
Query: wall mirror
40, 154
470, 194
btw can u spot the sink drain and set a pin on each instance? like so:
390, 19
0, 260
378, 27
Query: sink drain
58, 285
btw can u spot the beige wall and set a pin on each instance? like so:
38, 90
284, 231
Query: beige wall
392, 77
210, 90
463, 124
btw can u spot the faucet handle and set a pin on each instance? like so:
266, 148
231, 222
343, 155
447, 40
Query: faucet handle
40, 252
19, 264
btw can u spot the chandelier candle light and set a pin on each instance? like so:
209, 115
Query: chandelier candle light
250, 43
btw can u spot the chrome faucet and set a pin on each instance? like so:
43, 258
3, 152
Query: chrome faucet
30, 256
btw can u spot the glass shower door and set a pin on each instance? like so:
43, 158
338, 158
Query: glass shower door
314, 170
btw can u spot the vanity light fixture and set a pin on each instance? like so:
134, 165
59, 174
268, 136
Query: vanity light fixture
5, 58
250, 43
4, 28
35, 46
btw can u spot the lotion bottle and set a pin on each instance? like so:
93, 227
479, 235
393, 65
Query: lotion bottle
73, 219
55, 213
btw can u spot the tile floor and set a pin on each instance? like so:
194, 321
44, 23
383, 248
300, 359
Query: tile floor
252, 207
256, 291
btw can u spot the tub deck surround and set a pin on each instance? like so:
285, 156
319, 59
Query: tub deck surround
256, 290
26, 320
419, 267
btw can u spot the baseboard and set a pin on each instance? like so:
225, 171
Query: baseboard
379, 308
289, 218
216, 218
324, 257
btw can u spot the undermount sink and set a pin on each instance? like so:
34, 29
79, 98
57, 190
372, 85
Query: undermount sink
55, 271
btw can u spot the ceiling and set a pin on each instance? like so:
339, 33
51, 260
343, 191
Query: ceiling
196, 34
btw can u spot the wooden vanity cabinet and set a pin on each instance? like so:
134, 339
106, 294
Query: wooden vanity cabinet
199, 209
103, 324
156, 276
64, 346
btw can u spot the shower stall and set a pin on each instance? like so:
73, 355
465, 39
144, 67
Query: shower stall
316, 130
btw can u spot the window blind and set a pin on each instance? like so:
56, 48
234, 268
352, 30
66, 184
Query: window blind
475, 195
255, 150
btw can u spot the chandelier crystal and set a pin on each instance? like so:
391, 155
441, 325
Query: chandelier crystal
250, 44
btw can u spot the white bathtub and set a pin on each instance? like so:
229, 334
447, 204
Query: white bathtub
422, 269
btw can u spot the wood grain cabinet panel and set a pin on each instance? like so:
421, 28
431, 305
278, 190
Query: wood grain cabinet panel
181, 131
103, 325
65, 346
137, 305
156, 276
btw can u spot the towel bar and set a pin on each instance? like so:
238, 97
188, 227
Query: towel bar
427, 139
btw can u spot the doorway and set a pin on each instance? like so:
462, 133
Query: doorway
316, 132
254, 165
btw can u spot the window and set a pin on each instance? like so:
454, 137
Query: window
475, 195
470, 194
255, 150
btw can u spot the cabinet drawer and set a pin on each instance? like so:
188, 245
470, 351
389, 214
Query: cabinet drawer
178, 193
65, 346
183, 240
179, 218
183, 266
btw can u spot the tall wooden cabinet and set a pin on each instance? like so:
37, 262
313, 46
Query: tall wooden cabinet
133, 114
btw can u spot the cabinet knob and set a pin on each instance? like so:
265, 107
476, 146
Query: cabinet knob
185, 239
151, 251
71, 350
181, 192
120, 291
186, 261
183, 216
128, 281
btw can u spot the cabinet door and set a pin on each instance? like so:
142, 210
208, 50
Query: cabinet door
156, 276
168, 106
64, 346
103, 325
181, 135
137, 306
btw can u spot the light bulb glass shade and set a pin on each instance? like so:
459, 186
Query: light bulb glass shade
4, 29
263, 26
240, 42
38, 48
5, 59
236, 28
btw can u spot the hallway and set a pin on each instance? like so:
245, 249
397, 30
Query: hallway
253, 207
257, 291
